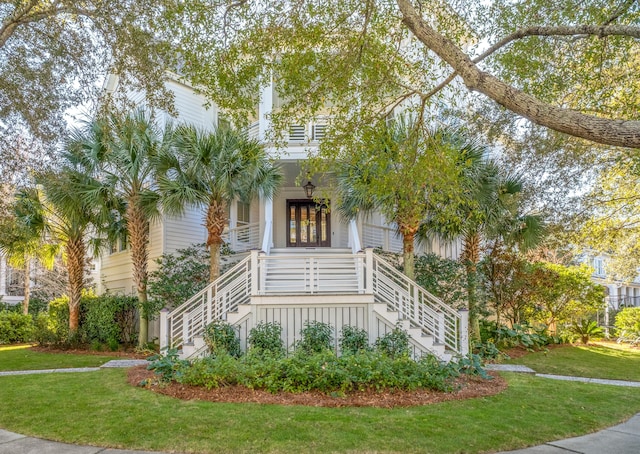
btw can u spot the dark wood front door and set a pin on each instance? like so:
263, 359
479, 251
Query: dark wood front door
308, 224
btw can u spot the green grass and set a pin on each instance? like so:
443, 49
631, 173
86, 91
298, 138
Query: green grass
22, 357
604, 360
100, 408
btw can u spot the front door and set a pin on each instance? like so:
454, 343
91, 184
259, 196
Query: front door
308, 224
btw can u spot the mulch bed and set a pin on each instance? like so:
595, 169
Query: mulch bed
466, 387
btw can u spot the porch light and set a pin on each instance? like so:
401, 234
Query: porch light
308, 189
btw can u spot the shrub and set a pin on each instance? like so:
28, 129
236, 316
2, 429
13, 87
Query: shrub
316, 337
322, 371
585, 330
353, 340
222, 338
628, 323
109, 319
178, 277
266, 338
15, 327
167, 367
519, 335
394, 344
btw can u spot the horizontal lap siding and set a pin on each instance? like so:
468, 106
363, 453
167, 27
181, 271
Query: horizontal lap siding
180, 233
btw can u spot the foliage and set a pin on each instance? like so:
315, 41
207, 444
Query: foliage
519, 335
394, 344
508, 281
51, 56
109, 319
320, 371
211, 170
488, 350
401, 168
266, 338
628, 323
563, 294
179, 276
106, 319
316, 337
353, 340
222, 338
15, 327
442, 277
585, 330
167, 366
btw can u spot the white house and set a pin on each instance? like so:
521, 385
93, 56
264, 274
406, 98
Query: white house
306, 262
11, 283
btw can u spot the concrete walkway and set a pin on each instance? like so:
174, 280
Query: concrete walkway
621, 439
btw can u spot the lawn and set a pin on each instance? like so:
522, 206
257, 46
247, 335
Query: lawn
22, 357
602, 360
100, 408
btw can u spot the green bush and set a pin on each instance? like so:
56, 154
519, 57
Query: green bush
353, 340
222, 338
394, 344
316, 337
628, 323
15, 327
108, 319
519, 335
322, 371
585, 330
266, 338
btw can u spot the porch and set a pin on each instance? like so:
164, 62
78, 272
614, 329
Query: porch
339, 287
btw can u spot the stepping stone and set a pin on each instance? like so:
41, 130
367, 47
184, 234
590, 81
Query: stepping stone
510, 368
125, 363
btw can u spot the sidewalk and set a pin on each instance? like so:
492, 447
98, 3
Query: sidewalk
621, 439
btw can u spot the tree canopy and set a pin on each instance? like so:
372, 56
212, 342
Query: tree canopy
570, 66
54, 55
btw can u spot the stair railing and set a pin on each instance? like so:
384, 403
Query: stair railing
446, 324
223, 295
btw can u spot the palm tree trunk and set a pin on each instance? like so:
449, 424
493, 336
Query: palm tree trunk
27, 286
408, 238
75, 251
215, 222
471, 257
138, 228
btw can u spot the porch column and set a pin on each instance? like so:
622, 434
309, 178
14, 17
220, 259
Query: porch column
354, 237
264, 109
164, 330
267, 239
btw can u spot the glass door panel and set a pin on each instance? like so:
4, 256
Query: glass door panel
308, 223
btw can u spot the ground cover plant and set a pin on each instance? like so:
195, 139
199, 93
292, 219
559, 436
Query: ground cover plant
116, 414
603, 360
23, 357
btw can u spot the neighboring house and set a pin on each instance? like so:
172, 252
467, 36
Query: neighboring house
619, 294
11, 283
307, 263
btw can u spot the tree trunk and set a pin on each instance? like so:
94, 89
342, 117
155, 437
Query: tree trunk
601, 130
27, 286
471, 257
407, 254
215, 222
138, 228
75, 251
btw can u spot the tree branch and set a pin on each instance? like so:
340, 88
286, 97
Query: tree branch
601, 130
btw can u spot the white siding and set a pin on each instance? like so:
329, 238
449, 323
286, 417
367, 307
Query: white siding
180, 233
191, 107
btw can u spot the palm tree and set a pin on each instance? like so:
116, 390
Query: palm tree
401, 169
21, 246
488, 208
121, 154
211, 169
53, 212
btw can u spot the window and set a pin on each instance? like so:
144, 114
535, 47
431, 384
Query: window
318, 132
243, 213
598, 265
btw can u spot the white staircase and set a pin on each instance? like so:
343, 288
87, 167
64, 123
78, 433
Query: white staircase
334, 286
